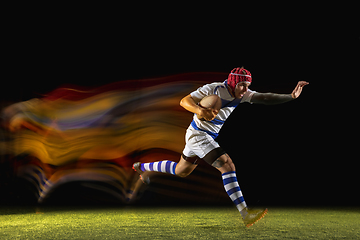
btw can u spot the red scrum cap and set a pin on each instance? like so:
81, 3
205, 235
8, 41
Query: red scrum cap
239, 74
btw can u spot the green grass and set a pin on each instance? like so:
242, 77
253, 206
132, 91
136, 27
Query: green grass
178, 223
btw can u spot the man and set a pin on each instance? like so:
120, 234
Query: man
205, 127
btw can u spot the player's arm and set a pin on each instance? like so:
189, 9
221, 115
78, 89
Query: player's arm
189, 104
270, 98
275, 98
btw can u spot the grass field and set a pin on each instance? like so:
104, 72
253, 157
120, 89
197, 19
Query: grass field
177, 223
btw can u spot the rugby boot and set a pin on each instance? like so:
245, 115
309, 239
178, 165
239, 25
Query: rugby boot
253, 216
137, 168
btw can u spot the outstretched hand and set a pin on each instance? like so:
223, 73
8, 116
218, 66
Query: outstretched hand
297, 91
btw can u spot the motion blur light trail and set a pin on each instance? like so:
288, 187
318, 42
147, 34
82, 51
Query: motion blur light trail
96, 135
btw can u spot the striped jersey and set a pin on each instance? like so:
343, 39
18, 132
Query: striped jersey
228, 104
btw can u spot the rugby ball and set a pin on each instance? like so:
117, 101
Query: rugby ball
212, 101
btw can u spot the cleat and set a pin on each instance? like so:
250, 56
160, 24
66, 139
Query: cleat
137, 168
253, 216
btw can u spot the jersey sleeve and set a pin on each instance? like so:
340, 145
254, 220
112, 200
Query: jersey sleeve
202, 92
247, 96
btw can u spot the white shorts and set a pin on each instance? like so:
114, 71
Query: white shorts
198, 143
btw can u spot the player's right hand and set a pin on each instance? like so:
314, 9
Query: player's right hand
208, 113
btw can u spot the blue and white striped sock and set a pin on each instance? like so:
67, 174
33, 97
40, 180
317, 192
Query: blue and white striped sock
162, 166
232, 188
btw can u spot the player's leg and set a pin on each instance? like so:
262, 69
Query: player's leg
226, 166
164, 166
182, 169
186, 165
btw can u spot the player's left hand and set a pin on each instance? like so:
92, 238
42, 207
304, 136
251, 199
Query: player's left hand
297, 91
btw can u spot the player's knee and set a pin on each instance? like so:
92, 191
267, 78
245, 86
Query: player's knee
224, 164
229, 167
232, 167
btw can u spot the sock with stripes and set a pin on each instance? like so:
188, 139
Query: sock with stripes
162, 166
232, 188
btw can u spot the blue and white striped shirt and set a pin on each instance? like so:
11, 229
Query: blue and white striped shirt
229, 103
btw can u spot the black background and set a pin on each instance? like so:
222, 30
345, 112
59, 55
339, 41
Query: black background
302, 152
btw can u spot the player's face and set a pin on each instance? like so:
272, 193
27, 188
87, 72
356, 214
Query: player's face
241, 89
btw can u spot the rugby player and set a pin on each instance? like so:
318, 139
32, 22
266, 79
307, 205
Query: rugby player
203, 130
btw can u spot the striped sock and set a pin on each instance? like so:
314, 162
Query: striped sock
232, 188
162, 166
